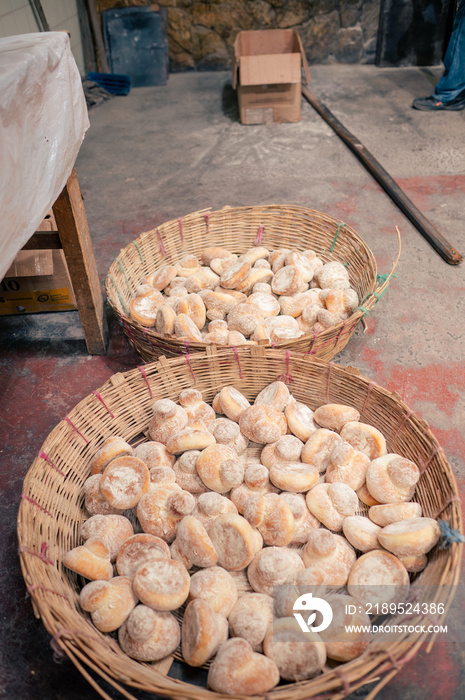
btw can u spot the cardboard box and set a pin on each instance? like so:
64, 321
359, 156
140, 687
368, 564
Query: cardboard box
38, 280
267, 73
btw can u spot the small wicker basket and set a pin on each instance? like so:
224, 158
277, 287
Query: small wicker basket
51, 508
238, 229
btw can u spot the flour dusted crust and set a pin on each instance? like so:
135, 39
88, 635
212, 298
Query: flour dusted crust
232, 403
91, 560
164, 322
272, 517
124, 482
319, 447
138, 550
410, 537
274, 566
94, 502
245, 318
378, 577
185, 472
251, 617
109, 602
203, 630
144, 309
365, 497
168, 418
268, 305
187, 266
332, 275
328, 554
347, 466
149, 635
255, 276
304, 521
162, 277
217, 587
162, 584
220, 468
284, 451
256, 481
262, 423
392, 478
193, 546
275, 394
335, 415
162, 476
298, 655
387, 513
186, 329
218, 304
349, 634
365, 438
238, 670
112, 530
342, 302
162, 507
235, 541
209, 254
235, 274
154, 454
112, 447
194, 436
332, 503
414, 563
211, 504
227, 432
296, 477
300, 419
361, 532
287, 281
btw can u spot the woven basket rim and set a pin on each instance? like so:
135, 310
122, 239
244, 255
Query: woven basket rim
54, 596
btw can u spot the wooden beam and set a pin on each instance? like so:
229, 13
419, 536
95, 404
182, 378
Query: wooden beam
75, 240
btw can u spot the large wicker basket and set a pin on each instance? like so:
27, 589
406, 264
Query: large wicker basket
51, 509
238, 229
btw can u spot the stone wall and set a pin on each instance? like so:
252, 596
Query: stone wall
202, 33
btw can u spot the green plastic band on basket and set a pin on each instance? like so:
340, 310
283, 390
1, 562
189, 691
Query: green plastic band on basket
338, 228
121, 300
449, 536
139, 251
364, 309
384, 277
124, 273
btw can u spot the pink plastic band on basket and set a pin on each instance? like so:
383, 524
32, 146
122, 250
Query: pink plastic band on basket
188, 360
31, 500
42, 455
341, 332
41, 556
142, 371
207, 221
258, 239
406, 417
344, 680
238, 362
103, 402
370, 388
310, 350
286, 377
428, 462
180, 231
328, 381
76, 429
161, 245
36, 587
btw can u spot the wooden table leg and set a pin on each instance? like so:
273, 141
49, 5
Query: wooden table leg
75, 239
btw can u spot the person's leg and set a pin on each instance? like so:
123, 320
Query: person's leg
452, 82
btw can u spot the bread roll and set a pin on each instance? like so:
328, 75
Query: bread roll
218, 304
255, 276
348, 635
335, 415
203, 630
162, 277
112, 530
287, 281
387, 513
91, 560
209, 254
256, 481
162, 476
235, 274
138, 550
330, 555
162, 584
194, 436
361, 532
245, 318
332, 275
414, 563
165, 319
274, 566
124, 482
262, 423
161, 508
298, 655
154, 454
185, 472
378, 577
112, 447
304, 521
238, 670
192, 545
410, 537
365, 438
254, 254
275, 394
168, 419
272, 517
95, 503
144, 309
332, 503
296, 477
251, 617
235, 541
285, 451
109, 602
392, 478
347, 466
196, 408
318, 449
366, 497
187, 266
149, 635
205, 278
227, 432
232, 403
220, 468
267, 303
300, 419
217, 587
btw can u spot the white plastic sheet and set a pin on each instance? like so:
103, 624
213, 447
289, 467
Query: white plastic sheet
43, 119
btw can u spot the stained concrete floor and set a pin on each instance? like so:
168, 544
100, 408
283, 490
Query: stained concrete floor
163, 152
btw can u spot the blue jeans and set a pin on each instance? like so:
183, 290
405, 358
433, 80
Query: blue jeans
452, 82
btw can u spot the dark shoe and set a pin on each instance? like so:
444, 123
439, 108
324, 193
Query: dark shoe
430, 104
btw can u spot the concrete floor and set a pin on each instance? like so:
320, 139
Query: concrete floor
163, 152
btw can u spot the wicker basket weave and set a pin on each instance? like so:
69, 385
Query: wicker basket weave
51, 508
238, 229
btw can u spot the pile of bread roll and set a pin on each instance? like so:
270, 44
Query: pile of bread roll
226, 299
271, 489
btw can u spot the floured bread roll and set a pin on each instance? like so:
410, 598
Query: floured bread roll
332, 503
414, 563
256, 481
162, 584
410, 537
210, 505
161, 508
220, 468
166, 317
235, 541
185, 472
267, 303
296, 477
95, 503
154, 454
272, 517
162, 277
366, 497
387, 513
194, 436
227, 432
124, 481
162, 476
378, 577
143, 309
235, 274
251, 617
287, 281
330, 555
109, 602
217, 587
347, 466
274, 566
319, 447
91, 560
238, 670
149, 635
275, 394
139, 549
262, 423
349, 634
362, 533
263, 330
209, 254
254, 254
186, 329
112, 447
232, 403
304, 521
335, 415
245, 318
203, 630
332, 275
168, 418
300, 419
287, 449
365, 438
112, 530
392, 478
196, 408
298, 655
192, 545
